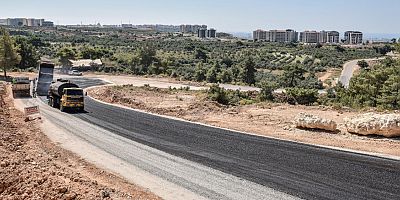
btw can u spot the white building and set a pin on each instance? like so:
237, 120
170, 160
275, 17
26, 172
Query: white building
30, 22
353, 37
282, 36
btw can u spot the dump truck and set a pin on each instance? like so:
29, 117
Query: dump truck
45, 78
66, 96
21, 87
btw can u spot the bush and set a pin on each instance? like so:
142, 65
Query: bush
230, 97
218, 94
267, 88
303, 96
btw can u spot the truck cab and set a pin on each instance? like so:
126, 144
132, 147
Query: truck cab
72, 98
65, 95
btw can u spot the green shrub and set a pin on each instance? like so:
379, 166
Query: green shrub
218, 94
303, 96
267, 89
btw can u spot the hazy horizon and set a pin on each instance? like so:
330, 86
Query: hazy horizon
226, 16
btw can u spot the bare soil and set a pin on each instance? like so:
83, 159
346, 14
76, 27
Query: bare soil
32, 167
266, 119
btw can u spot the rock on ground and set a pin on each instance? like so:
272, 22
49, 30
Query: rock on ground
308, 121
387, 125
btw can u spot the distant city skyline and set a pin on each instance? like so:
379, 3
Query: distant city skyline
369, 16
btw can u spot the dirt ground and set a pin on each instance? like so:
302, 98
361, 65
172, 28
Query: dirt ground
267, 119
32, 167
31, 75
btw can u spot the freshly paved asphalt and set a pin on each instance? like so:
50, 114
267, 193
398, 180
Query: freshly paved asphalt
301, 170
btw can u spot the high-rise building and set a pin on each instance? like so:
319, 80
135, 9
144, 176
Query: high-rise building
282, 36
185, 28
127, 25
333, 37
212, 33
260, 35
276, 36
291, 36
47, 24
201, 33
30, 22
3, 22
34, 22
310, 37
323, 37
353, 37
17, 22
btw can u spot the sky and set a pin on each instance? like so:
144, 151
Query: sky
369, 16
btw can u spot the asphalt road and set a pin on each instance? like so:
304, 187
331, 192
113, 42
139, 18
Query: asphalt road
348, 71
171, 177
300, 170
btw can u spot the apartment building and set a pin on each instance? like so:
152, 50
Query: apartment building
322, 37
185, 28
3, 22
30, 22
282, 36
260, 35
333, 37
201, 33
310, 37
353, 37
212, 33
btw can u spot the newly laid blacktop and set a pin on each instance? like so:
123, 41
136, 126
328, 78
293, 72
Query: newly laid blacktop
299, 170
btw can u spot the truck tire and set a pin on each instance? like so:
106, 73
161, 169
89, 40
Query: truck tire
62, 109
53, 104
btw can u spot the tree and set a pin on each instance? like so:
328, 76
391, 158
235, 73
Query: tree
227, 61
201, 55
92, 53
218, 94
340, 49
311, 82
147, 57
248, 71
225, 76
398, 47
292, 75
200, 73
29, 55
390, 97
363, 64
8, 52
303, 96
267, 89
65, 54
37, 42
384, 50
212, 73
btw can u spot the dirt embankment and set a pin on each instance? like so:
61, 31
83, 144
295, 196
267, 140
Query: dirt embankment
274, 120
32, 167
